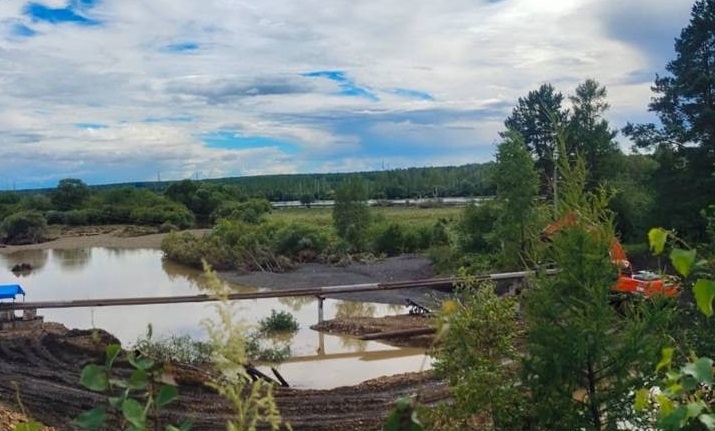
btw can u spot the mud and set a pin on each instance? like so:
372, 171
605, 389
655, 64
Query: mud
46, 365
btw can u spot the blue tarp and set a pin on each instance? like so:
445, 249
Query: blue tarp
10, 291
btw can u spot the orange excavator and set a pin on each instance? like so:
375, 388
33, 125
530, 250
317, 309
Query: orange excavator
629, 282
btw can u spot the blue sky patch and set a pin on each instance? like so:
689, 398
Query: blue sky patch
235, 141
181, 47
412, 94
347, 86
91, 126
40, 12
170, 119
21, 30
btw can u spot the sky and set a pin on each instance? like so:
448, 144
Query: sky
112, 91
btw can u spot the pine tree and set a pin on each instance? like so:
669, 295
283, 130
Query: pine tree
584, 356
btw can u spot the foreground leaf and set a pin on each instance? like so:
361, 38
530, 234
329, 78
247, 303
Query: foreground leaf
166, 395
642, 399
683, 260
112, 351
704, 291
134, 413
666, 358
403, 417
701, 370
92, 419
94, 378
28, 426
657, 238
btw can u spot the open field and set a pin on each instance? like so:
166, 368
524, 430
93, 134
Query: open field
402, 214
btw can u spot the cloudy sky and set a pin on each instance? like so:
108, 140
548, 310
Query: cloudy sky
130, 90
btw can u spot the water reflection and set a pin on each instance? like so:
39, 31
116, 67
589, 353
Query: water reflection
72, 259
111, 273
197, 279
295, 303
353, 309
36, 258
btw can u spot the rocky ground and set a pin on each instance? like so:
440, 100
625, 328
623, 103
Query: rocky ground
46, 363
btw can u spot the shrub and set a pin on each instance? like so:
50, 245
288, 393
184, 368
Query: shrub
251, 211
278, 321
389, 239
183, 248
295, 239
55, 217
25, 227
75, 218
478, 355
183, 349
175, 214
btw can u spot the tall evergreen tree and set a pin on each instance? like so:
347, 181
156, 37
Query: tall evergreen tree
517, 187
351, 215
537, 118
685, 143
589, 133
583, 356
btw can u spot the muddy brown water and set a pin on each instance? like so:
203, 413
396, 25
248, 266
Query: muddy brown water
319, 361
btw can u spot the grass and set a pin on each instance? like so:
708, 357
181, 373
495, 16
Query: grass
324, 216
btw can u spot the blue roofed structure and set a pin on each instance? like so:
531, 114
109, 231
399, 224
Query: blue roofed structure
10, 291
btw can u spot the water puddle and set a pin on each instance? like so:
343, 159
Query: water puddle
319, 360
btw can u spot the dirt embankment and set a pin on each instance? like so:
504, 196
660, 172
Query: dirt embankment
46, 365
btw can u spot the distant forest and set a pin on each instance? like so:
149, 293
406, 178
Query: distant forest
411, 183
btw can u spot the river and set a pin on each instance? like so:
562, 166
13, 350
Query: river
318, 361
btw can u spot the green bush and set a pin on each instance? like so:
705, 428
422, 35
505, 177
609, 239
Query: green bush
182, 349
298, 240
55, 217
252, 211
75, 218
388, 239
278, 321
25, 227
478, 357
175, 214
187, 249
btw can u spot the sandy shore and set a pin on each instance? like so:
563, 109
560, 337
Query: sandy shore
104, 236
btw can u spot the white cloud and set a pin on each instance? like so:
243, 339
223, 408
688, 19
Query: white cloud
475, 58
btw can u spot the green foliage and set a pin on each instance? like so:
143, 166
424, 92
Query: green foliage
132, 403
517, 187
389, 239
69, 194
476, 227
252, 211
403, 417
182, 349
253, 403
576, 341
589, 133
25, 227
164, 213
351, 215
537, 118
478, 357
685, 400
685, 139
278, 321
29, 426
301, 241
